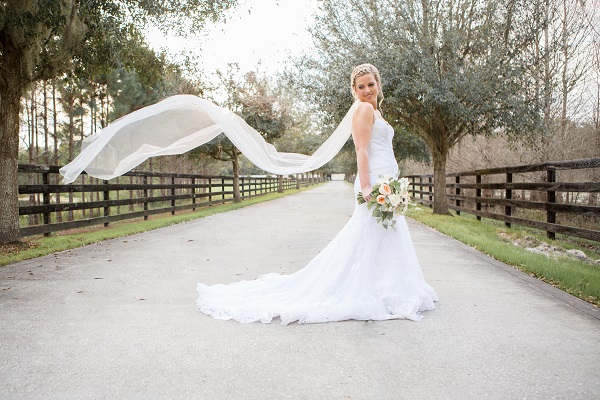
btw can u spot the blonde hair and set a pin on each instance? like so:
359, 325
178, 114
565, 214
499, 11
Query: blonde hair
364, 69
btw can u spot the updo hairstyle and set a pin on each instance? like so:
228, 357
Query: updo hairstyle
365, 69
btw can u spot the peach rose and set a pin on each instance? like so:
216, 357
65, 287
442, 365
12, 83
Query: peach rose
381, 199
385, 189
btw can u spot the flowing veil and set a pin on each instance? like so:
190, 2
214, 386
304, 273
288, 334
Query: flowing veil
180, 123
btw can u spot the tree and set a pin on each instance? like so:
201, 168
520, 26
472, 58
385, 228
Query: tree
38, 40
450, 67
34, 45
254, 100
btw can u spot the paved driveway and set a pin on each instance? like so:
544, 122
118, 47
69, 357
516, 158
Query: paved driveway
118, 320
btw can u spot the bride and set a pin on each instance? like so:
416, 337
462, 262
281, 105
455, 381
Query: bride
366, 272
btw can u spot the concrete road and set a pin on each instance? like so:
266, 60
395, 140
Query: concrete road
118, 320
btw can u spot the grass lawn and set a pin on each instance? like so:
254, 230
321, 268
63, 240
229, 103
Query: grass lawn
577, 277
37, 246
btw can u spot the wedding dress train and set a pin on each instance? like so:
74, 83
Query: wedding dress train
365, 273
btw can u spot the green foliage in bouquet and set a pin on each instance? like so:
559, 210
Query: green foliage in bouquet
389, 199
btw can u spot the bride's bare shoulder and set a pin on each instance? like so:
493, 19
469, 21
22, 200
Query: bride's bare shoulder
364, 110
365, 107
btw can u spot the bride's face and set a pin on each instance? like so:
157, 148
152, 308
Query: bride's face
366, 89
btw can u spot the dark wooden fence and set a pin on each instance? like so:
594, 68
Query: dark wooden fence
46, 205
547, 196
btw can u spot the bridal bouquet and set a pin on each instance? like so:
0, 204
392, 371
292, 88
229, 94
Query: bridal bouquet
390, 199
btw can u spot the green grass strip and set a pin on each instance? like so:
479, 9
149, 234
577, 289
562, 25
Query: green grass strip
38, 246
577, 277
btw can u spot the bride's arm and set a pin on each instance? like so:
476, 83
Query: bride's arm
362, 126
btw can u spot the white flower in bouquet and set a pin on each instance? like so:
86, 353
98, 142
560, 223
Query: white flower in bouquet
395, 199
404, 184
384, 179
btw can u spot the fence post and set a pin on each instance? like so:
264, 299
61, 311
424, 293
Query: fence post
194, 193
507, 208
421, 189
457, 180
223, 189
297, 181
145, 182
106, 197
430, 190
478, 195
550, 198
279, 183
150, 192
46, 200
173, 194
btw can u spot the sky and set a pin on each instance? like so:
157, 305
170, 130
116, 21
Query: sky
268, 32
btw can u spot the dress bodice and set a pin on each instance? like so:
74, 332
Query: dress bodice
381, 153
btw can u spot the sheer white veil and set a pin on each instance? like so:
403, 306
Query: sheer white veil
180, 123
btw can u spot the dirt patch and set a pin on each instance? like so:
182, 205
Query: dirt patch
15, 247
534, 245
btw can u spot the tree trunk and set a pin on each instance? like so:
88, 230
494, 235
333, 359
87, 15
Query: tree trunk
54, 123
34, 178
440, 201
55, 139
236, 178
45, 118
83, 212
70, 111
565, 69
10, 102
32, 220
547, 73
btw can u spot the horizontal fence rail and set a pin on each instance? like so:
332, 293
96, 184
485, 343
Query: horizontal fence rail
557, 197
46, 205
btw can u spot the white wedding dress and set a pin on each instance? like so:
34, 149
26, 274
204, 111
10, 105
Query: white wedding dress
366, 272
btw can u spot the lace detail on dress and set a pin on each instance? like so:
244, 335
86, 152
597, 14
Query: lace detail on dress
381, 154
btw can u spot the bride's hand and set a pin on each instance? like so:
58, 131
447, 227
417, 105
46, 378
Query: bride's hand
367, 192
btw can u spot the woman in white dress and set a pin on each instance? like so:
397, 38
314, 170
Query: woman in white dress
366, 272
